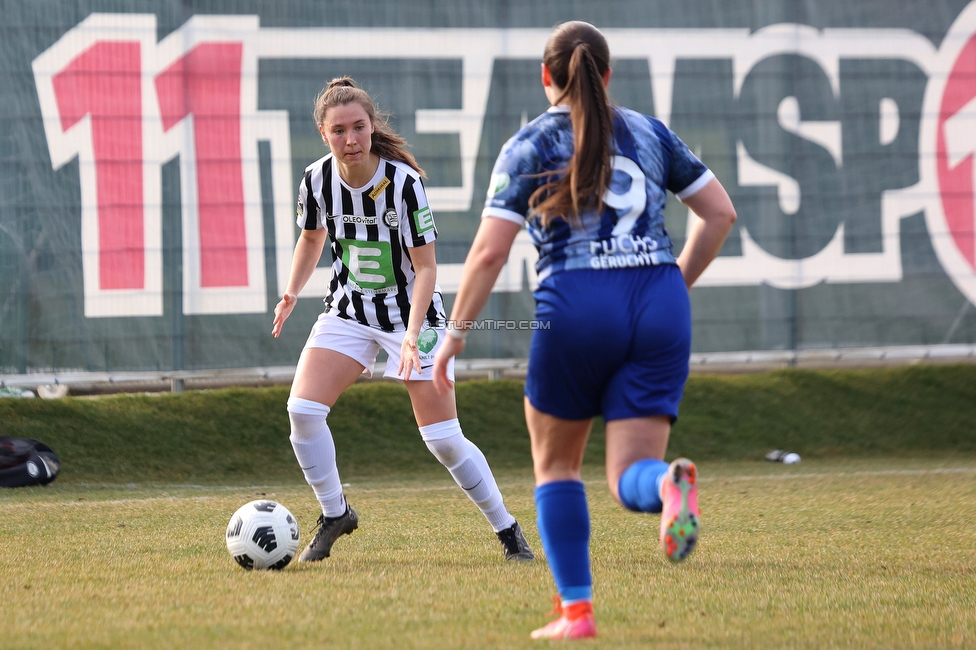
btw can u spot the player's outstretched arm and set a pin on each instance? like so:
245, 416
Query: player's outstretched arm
308, 250
717, 214
485, 260
425, 278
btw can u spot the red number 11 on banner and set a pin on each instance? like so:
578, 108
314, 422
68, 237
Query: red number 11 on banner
124, 106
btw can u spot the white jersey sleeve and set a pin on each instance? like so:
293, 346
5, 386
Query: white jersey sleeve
420, 227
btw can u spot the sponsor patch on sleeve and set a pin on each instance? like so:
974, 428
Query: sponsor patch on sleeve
497, 184
423, 220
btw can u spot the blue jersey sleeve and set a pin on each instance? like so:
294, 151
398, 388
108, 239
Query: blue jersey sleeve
687, 174
514, 178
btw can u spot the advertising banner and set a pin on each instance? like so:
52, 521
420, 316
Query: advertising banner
151, 154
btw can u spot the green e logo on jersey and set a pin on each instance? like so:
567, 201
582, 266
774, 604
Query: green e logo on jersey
423, 221
370, 263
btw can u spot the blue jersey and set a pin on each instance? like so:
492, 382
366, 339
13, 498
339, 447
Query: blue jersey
648, 158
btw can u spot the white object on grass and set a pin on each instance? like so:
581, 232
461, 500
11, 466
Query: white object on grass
262, 535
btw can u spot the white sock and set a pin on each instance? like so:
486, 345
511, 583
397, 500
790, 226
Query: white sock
470, 470
315, 450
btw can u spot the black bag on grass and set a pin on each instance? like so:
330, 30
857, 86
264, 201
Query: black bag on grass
26, 462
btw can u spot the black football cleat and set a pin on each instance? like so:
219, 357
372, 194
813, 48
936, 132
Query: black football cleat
330, 529
516, 548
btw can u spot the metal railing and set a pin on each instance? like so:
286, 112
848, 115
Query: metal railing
57, 383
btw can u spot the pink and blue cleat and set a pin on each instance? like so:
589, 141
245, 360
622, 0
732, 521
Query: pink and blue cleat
575, 622
679, 517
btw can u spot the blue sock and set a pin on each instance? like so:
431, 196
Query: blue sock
564, 526
640, 485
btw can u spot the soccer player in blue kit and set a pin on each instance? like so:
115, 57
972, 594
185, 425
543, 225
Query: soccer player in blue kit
590, 179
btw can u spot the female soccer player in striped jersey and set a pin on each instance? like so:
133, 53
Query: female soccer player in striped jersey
590, 178
366, 198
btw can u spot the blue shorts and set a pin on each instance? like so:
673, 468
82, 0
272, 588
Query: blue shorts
617, 343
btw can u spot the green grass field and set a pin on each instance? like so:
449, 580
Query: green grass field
867, 543
858, 554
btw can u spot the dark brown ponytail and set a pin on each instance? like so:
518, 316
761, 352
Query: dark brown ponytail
578, 57
385, 141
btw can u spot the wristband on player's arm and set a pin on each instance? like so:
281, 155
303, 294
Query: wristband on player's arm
456, 333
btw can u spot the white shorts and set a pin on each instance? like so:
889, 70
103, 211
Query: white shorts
363, 343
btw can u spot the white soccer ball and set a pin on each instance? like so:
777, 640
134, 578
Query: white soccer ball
262, 535
791, 458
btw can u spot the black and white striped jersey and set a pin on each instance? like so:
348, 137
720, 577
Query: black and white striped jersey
371, 230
